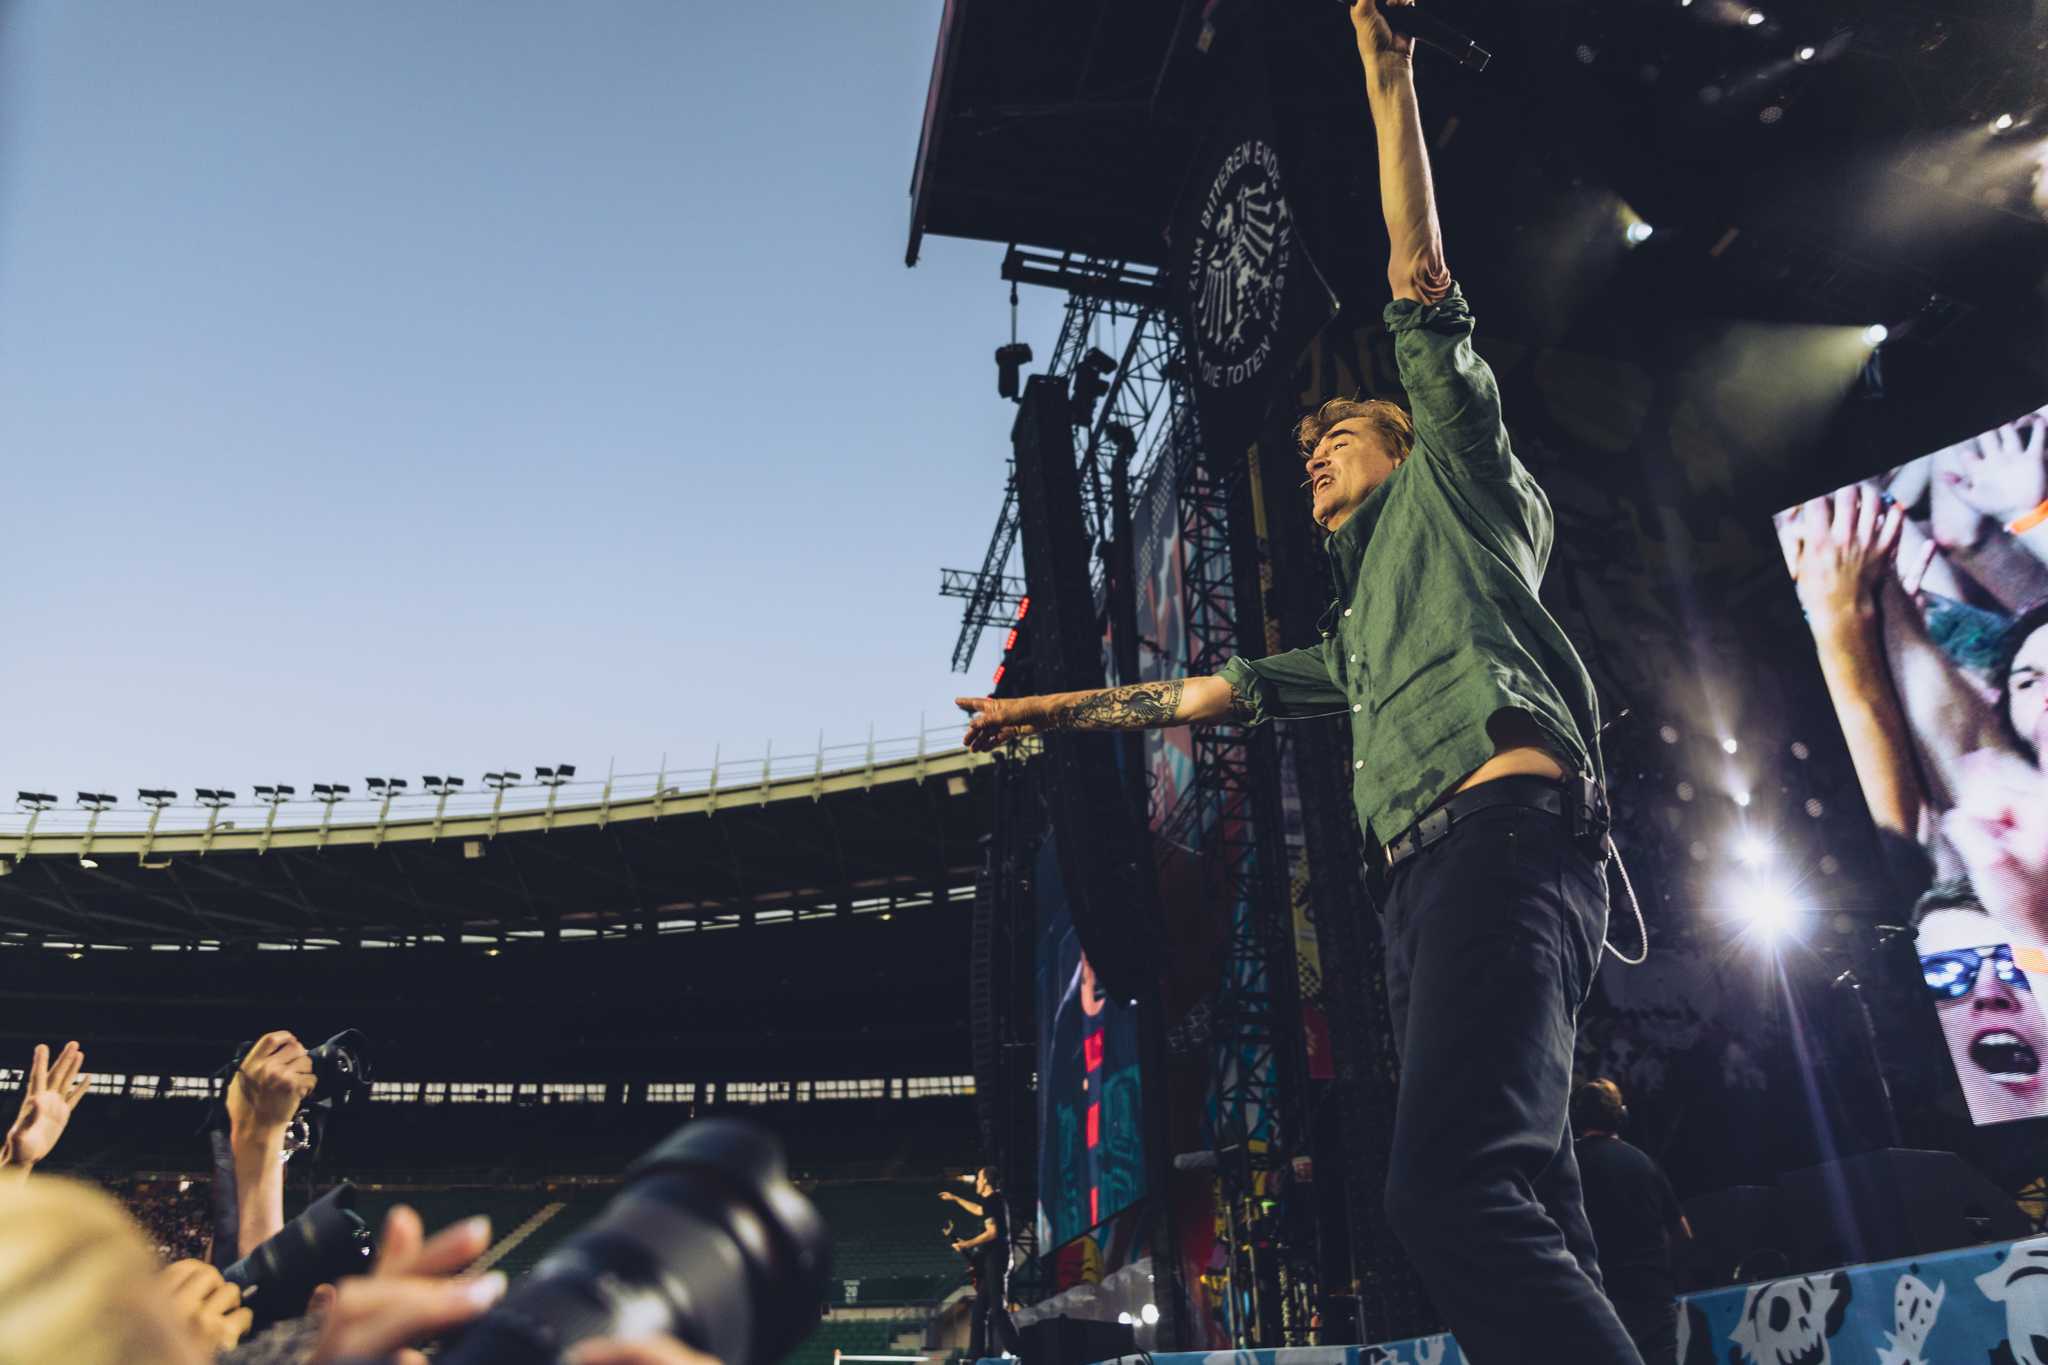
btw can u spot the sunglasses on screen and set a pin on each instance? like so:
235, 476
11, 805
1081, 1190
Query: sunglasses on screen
1953, 974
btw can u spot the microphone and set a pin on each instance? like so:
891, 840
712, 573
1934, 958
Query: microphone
1434, 32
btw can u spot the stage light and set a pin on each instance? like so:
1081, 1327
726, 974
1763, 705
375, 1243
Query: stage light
1804, 54
1010, 362
1755, 850
1753, 18
1150, 1313
1815, 808
1875, 334
1770, 910
87, 862
1126, 1319
2001, 123
1770, 113
1800, 751
1638, 232
1741, 798
1729, 746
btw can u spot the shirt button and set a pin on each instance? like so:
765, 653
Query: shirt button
1347, 611
1358, 763
1354, 658
1356, 706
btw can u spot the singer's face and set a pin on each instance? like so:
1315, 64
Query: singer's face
1347, 464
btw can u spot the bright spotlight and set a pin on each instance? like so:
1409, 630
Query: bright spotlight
1729, 746
1804, 54
1755, 850
1124, 1318
1875, 334
2001, 123
1741, 798
1770, 910
1638, 232
1753, 18
1150, 1313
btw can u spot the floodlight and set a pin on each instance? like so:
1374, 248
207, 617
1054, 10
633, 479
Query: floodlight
35, 800
1771, 911
86, 862
1150, 1313
1638, 232
1804, 54
1126, 1319
1755, 850
1753, 18
1741, 797
2002, 122
1729, 746
1875, 334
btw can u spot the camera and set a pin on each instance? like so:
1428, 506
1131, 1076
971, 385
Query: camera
327, 1241
340, 1072
708, 1242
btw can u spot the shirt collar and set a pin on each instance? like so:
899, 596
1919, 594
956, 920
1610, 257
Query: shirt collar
1347, 547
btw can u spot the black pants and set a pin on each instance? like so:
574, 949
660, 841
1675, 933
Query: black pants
1493, 935
1653, 1326
991, 1332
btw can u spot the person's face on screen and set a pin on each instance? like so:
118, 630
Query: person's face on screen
1996, 1031
2026, 692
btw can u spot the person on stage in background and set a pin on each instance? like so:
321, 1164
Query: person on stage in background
1637, 1223
992, 1332
1474, 731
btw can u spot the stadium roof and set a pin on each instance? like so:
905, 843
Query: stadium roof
785, 838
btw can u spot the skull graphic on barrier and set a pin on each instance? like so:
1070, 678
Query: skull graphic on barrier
2021, 1284
1788, 1322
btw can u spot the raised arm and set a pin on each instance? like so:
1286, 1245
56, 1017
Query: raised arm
1415, 265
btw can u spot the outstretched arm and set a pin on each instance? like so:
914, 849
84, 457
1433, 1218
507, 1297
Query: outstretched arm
1140, 706
1415, 265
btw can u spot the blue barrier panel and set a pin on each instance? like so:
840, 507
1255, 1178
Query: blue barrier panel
1985, 1303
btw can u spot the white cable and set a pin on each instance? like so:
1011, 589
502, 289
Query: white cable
1642, 929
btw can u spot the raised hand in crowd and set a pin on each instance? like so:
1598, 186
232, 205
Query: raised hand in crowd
413, 1292
2000, 828
49, 1095
264, 1094
205, 1305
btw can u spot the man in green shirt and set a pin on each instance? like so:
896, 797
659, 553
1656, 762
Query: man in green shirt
1475, 771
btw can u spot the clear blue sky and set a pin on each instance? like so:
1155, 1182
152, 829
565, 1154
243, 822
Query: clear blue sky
442, 385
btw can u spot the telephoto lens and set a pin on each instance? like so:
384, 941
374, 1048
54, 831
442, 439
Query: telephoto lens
708, 1243
327, 1241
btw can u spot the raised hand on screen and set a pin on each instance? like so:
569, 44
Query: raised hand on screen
2002, 473
1836, 548
2000, 827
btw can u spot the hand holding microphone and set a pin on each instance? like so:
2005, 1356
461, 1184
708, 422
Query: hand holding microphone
1405, 21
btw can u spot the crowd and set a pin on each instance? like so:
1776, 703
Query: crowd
177, 1221
83, 1281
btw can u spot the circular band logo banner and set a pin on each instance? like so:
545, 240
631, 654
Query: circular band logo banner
1237, 278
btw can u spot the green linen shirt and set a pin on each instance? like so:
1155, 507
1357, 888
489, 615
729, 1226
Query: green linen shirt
1437, 624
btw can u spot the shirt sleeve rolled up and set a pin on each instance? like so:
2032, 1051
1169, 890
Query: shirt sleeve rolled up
1287, 686
1451, 391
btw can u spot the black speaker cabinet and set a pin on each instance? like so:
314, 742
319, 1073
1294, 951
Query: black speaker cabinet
1888, 1204
1076, 1341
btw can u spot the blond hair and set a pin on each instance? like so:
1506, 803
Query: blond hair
1386, 420
78, 1283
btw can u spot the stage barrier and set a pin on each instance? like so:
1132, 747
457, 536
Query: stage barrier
1985, 1302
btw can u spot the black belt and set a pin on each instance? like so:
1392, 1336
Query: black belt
1581, 800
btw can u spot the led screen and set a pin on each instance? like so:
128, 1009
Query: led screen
1927, 592
1091, 1159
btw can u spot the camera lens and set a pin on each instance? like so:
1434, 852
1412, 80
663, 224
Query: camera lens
327, 1241
708, 1243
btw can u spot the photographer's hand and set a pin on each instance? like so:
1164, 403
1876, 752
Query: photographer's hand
205, 1305
264, 1093
410, 1294
49, 1094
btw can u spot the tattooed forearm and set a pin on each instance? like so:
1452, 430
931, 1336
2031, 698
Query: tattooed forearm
1141, 706
1242, 708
